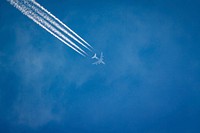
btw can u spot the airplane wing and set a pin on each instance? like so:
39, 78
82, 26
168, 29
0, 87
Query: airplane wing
96, 63
99, 62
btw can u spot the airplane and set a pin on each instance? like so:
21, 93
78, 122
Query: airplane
99, 60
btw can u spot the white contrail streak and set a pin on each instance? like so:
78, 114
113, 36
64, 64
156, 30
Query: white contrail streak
48, 18
26, 11
44, 24
45, 15
61, 22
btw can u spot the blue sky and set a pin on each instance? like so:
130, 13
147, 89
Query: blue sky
150, 83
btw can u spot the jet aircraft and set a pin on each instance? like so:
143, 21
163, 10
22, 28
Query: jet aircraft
99, 59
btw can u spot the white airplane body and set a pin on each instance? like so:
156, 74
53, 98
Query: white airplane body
99, 60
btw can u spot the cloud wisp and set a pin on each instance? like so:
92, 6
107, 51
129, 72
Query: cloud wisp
53, 25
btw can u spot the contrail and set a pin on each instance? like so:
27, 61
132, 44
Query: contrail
41, 22
44, 24
53, 22
61, 22
57, 32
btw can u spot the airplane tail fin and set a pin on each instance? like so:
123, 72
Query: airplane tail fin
95, 56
